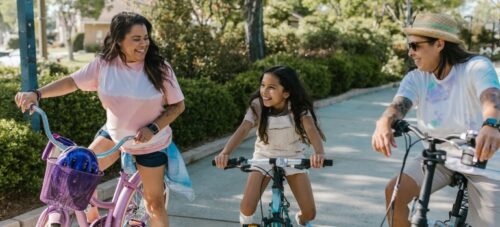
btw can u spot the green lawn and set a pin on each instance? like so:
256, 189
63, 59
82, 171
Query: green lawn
81, 58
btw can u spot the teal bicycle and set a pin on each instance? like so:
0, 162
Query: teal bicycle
278, 208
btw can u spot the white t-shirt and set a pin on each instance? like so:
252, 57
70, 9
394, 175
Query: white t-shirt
130, 100
451, 105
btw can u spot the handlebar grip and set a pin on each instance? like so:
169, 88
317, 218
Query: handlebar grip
231, 161
328, 162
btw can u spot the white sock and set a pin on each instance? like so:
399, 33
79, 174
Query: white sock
246, 219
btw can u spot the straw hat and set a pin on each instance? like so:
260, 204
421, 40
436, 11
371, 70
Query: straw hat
439, 26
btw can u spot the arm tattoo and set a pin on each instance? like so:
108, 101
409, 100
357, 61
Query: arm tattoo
491, 96
398, 108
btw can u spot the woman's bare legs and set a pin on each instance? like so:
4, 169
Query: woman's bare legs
99, 145
152, 181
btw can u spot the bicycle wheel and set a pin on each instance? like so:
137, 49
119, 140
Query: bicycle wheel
130, 209
43, 220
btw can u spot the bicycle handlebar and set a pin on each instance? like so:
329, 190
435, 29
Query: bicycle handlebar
401, 126
63, 147
300, 163
468, 138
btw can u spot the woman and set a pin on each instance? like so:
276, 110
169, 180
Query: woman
134, 83
454, 91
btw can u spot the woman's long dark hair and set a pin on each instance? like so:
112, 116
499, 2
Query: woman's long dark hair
154, 64
300, 102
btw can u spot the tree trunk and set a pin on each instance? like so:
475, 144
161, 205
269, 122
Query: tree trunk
69, 45
254, 29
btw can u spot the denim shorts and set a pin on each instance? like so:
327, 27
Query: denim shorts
153, 159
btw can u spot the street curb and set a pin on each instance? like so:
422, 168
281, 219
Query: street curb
105, 190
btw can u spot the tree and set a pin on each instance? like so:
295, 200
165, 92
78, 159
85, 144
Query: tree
254, 29
67, 10
8, 11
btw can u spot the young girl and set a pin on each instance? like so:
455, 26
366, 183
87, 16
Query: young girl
286, 125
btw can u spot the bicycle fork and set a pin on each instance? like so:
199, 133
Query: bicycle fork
278, 208
460, 208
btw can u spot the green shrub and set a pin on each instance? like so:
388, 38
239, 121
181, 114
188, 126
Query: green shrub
92, 48
241, 88
8, 88
315, 77
13, 43
77, 116
6, 71
78, 42
341, 70
50, 68
367, 72
20, 165
210, 112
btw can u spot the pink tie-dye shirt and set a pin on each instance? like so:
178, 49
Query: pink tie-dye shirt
130, 100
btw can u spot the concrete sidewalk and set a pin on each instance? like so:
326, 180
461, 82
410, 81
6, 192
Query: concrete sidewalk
351, 193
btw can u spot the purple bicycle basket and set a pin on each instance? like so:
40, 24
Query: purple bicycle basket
66, 187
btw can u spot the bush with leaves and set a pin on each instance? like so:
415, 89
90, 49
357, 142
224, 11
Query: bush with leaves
20, 165
315, 77
78, 42
210, 112
241, 88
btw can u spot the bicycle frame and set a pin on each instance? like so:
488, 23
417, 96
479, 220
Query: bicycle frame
431, 158
127, 184
278, 208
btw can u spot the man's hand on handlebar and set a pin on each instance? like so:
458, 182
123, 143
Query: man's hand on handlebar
487, 143
383, 138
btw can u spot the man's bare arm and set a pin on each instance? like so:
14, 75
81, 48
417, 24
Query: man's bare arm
398, 109
490, 101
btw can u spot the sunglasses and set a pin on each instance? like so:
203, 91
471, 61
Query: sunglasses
415, 45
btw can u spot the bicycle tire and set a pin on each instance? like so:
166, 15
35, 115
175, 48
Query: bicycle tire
44, 218
130, 205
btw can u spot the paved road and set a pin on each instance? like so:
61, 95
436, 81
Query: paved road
349, 194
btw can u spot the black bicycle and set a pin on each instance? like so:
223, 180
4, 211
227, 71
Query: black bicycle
278, 208
431, 157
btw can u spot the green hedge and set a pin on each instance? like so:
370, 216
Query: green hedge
210, 112
316, 78
20, 165
241, 88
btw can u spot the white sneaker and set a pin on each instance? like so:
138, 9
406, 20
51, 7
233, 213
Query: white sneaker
307, 224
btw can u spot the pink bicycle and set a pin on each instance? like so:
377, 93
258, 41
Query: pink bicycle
67, 191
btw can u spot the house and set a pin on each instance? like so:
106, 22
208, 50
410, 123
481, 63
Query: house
95, 29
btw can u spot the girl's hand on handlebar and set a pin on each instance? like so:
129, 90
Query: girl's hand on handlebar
221, 160
317, 160
383, 138
24, 100
487, 143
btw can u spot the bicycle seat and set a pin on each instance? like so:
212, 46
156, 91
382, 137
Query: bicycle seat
79, 158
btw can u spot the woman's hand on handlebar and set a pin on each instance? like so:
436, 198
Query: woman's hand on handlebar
221, 160
25, 99
317, 160
383, 138
487, 143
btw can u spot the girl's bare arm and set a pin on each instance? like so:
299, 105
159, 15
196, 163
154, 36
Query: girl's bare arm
237, 137
313, 134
